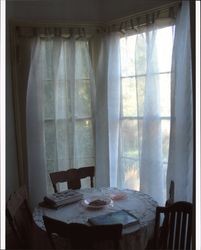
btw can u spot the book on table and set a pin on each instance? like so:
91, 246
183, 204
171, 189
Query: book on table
63, 198
119, 217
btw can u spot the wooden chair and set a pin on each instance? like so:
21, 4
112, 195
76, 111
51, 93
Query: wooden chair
176, 231
87, 172
72, 177
81, 236
168, 202
28, 234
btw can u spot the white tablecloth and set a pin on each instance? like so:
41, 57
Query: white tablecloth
140, 204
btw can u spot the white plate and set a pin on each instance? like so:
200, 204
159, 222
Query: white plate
90, 202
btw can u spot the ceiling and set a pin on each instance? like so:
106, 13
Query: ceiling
82, 10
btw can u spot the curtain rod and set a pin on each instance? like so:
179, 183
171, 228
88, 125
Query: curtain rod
161, 8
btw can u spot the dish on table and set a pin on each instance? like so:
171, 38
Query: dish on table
118, 196
96, 202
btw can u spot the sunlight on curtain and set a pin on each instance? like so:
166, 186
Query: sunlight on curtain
145, 109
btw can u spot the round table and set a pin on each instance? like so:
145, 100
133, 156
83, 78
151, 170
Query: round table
137, 203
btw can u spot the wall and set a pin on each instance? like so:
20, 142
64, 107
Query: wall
74, 10
71, 10
113, 9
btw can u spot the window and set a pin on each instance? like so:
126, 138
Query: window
68, 111
133, 78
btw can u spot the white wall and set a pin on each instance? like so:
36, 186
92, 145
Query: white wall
72, 10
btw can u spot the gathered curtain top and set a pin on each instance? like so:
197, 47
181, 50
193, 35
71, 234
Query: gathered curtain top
85, 30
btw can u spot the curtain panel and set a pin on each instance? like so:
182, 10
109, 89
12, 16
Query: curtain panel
143, 137
60, 122
180, 163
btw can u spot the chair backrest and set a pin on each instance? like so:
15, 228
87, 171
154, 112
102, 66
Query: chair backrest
72, 177
176, 231
19, 216
170, 200
87, 172
81, 236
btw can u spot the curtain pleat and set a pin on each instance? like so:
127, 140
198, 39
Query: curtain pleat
151, 165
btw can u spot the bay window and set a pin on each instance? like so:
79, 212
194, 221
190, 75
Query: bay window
97, 95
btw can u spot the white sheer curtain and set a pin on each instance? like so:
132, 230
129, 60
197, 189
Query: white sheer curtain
35, 130
107, 110
60, 115
145, 108
151, 165
180, 165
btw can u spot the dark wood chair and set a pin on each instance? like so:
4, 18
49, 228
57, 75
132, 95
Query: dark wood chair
81, 236
170, 200
72, 177
87, 172
176, 230
27, 234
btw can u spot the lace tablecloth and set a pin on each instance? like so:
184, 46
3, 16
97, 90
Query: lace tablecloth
137, 203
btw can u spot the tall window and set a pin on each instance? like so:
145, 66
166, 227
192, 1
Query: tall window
134, 51
68, 111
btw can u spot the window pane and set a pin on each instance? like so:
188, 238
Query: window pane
62, 103
130, 173
164, 80
140, 54
49, 111
61, 141
164, 43
82, 98
130, 138
46, 53
84, 142
50, 150
51, 164
133, 55
127, 48
165, 125
82, 60
140, 81
129, 107
133, 96
50, 134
